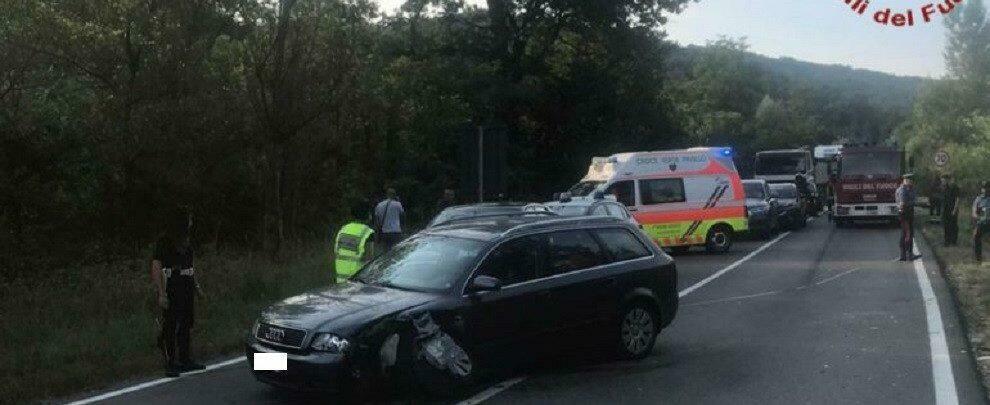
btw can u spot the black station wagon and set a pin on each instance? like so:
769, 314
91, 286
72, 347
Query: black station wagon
453, 300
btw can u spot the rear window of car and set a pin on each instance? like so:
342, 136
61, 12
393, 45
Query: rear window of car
570, 210
615, 210
621, 244
784, 190
754, 190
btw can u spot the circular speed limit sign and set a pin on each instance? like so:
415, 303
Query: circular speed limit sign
941, 158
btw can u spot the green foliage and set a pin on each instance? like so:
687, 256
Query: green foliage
274, 120
725, 95
953, 114
100, 322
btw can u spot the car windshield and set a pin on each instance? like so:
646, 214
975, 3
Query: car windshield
584, 188
754, 190
784, 190
423, 263
873, 163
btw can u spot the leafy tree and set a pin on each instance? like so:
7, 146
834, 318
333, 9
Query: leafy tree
967, 53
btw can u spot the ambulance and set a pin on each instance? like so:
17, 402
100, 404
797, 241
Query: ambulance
682, 198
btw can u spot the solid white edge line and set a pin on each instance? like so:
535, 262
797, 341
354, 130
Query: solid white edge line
502, 386
942, 378
153, 383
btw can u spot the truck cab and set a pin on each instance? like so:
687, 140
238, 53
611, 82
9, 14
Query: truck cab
865, 182
784, 166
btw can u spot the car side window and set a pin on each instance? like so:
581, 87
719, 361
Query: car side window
624, 192
661, 191
515, 261
570, 251
621, 244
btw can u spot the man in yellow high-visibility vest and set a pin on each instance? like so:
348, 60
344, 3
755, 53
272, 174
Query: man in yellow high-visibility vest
352, 248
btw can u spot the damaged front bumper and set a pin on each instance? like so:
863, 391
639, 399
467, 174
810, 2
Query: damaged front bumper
312, 371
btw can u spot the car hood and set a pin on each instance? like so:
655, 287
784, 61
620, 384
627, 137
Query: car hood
341, 308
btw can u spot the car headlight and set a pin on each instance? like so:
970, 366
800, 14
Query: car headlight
758, 210
328, 342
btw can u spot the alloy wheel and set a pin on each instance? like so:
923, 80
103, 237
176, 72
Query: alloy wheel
637, 331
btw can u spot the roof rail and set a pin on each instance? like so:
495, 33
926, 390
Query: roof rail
504, 214
562, 220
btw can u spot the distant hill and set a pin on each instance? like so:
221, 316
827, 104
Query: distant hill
898, 92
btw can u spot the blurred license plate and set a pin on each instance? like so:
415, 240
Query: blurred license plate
270, 361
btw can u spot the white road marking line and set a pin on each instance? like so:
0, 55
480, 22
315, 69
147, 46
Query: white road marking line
942, 377
502, 386
491, 391
837, 276
732, 266
153, 383
730, 299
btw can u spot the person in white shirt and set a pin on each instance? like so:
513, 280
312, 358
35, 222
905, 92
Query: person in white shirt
388, 220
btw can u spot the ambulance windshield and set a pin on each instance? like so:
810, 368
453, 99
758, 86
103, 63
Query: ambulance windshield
584, 188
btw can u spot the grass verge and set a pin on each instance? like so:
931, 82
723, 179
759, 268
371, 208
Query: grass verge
81, 329
970, 283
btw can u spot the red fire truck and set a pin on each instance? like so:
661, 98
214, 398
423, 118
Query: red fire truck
864, 182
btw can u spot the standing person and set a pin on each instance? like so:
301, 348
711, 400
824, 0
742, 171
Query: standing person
448, 200
388, 220
949, 210
981, 220
906, 197
175, 282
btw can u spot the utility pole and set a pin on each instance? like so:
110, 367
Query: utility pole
481, 164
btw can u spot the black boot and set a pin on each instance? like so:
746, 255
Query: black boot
172, 370
190, 365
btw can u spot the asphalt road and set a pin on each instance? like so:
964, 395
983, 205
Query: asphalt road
823, 315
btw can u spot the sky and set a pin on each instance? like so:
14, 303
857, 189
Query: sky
822, 31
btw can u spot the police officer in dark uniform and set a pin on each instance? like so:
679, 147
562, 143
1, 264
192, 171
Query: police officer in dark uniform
949, 200
906, 198
175, 282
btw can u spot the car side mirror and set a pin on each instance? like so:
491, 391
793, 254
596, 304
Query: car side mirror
773, 200
485, 283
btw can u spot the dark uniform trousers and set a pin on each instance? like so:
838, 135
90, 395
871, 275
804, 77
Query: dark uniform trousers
950, 227
979, 229
907, 233
177, 319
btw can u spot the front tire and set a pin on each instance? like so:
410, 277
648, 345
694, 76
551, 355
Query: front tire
637, 331
719, 239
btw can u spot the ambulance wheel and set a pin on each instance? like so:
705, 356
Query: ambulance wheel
719, 239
